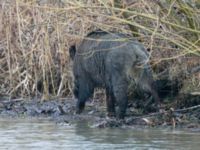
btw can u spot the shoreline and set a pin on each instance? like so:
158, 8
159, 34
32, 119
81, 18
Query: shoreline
63, 111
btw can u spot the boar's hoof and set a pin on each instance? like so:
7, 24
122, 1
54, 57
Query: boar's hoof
80, 107
120, 116
111, 114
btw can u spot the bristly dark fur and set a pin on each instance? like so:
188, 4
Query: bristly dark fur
96, 32
110, 61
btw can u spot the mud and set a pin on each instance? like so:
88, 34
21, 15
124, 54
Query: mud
63, 111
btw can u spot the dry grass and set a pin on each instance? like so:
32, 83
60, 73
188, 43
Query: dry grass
35, 36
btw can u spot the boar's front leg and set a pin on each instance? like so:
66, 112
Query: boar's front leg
110, 101
119, 86
84, 91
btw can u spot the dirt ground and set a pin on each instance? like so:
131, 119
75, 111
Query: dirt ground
63, 111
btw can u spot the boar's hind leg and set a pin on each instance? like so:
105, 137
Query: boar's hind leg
110, 101
156, 99
85, 90
120, 93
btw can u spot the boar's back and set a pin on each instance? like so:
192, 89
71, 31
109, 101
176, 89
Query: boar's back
100, 54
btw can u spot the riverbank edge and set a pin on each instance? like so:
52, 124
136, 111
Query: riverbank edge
63, 111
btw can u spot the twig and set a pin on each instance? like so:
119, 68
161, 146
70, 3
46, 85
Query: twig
149, 115
189, 108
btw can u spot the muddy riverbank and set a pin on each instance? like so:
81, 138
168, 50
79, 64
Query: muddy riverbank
63, 111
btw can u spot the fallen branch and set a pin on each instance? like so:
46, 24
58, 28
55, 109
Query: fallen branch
166, 112
12, 101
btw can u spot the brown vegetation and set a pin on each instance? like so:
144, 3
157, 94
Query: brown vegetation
35, 36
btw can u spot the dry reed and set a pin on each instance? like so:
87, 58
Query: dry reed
35, 36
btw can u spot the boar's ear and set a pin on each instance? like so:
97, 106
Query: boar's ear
72, 51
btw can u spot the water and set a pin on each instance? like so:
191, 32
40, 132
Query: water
42, 134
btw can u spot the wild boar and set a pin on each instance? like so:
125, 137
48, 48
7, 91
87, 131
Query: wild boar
110, 61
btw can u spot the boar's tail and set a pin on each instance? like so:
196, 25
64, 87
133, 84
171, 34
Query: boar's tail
72, 51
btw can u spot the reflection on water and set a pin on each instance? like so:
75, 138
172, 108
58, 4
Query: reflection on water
41, 134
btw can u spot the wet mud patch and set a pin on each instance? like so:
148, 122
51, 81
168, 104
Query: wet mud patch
63, 111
